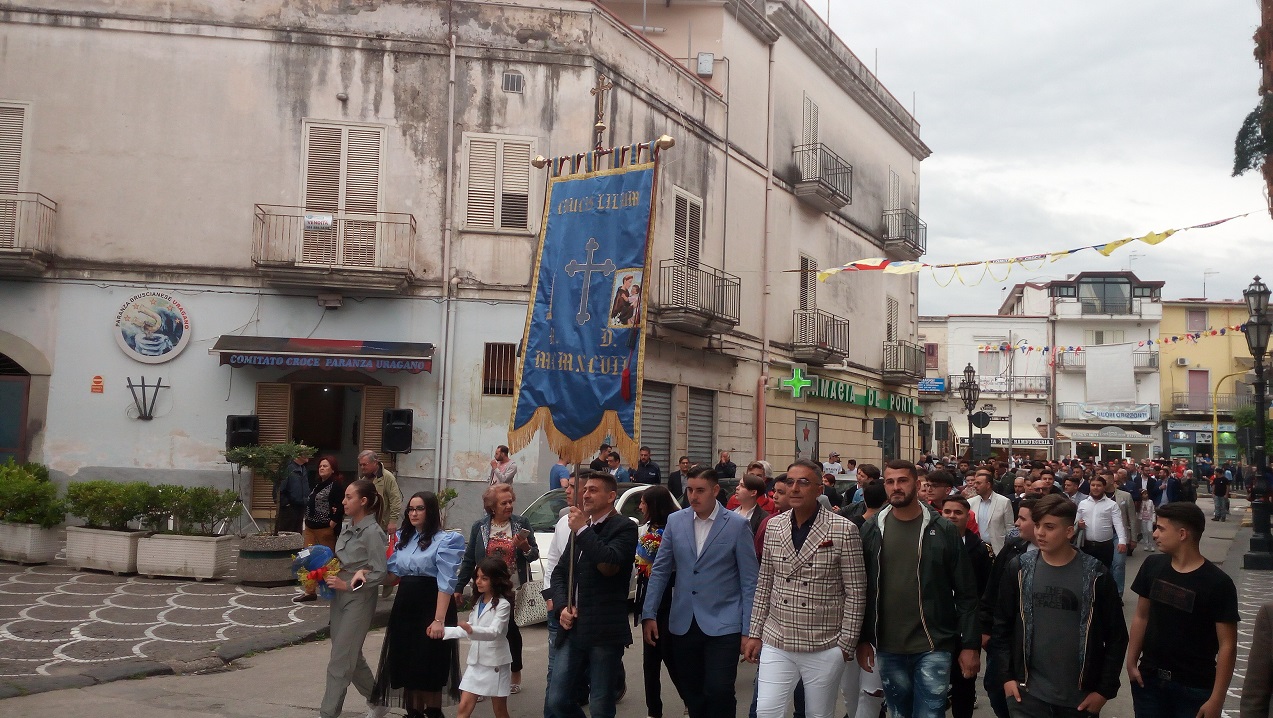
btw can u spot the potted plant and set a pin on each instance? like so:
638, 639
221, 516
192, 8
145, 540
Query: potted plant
186, 543
107, 541
29, 512
266, 559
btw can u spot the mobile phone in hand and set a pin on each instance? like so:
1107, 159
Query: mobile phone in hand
357, 584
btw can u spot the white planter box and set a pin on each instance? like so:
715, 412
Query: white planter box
114, 551
28, 543
196, 557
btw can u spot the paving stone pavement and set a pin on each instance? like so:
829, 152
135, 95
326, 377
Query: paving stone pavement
65, 628
1255, 588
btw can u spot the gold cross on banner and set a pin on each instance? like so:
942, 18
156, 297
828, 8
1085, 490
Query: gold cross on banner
603, 86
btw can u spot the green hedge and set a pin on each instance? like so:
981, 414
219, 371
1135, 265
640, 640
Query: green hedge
108, 504
28, 497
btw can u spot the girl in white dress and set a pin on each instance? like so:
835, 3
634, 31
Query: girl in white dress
490, 662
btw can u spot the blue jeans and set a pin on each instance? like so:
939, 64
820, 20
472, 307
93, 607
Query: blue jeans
603, 668
553, 626
1119, 568
1160, 698
915, 684
1222, 507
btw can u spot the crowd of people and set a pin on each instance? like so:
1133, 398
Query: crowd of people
893, 597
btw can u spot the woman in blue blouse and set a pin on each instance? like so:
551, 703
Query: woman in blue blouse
418, 669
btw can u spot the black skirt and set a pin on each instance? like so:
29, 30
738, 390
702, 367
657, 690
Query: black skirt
413, 665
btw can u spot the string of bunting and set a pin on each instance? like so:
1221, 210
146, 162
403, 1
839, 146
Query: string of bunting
1032, 262
1190, 337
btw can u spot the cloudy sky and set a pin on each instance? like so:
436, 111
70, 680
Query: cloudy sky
1057, 125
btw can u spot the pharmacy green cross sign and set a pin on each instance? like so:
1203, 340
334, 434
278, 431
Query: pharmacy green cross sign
797, 383
803, 385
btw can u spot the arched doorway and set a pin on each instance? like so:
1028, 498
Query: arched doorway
15, 397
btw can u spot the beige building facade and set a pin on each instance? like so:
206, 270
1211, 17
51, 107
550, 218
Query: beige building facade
184, 183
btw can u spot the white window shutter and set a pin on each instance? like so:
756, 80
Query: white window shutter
515, 185
483, 158
694, 232
12, 119
322, 191
890, 327
361, 197
808, 283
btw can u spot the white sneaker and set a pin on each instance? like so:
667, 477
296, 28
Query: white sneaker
377, 711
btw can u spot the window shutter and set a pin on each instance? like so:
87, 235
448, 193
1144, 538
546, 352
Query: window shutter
515, 186
362, 197
375, 399
481, 189
894, 190
931, 355
810, 135
342, 177
808, 283
322, 191
12, 119
274, 414
890, 327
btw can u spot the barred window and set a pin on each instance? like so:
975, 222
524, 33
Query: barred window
499, 369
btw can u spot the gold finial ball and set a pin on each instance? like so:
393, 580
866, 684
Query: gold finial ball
540, 162
600, 126
665, 142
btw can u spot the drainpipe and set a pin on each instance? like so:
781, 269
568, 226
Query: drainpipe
763, 383
443, 439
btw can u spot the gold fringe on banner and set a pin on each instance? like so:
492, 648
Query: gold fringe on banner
575, 452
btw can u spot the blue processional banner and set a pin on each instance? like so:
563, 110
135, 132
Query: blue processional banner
580, 373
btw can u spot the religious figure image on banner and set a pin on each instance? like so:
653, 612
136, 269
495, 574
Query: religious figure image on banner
580, 370
625, 310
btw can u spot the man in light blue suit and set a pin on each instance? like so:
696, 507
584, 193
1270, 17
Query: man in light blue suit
712, 554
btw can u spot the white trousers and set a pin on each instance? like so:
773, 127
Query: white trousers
781, 670
863, 692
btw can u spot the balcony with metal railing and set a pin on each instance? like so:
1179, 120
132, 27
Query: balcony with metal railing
1183, 402
371, 252
1076, 360
820, 337
905, 233
826, 179
26, 233
1116, 308
696, 298
1081, 413
1022, 386
903, 362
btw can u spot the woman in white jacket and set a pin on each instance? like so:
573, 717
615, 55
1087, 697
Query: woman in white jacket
490, 662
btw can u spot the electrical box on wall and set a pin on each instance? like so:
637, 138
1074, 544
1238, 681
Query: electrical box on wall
706, 64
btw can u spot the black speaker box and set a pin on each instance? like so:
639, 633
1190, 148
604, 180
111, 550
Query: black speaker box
395, 433
241, 431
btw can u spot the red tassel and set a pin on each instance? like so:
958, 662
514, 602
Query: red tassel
625, 388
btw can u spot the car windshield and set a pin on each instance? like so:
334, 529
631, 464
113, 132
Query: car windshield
542, 512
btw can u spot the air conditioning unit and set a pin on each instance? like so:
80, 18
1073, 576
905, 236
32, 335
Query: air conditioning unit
1182, 361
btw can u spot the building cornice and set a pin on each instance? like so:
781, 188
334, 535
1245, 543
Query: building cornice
797, 21
753, 19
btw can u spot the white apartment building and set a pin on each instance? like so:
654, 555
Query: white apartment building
158, 163
1014, 381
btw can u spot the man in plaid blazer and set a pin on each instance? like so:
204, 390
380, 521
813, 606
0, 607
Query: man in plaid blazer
810, 600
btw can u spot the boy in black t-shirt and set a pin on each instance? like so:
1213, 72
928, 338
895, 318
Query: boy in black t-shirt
1184, 637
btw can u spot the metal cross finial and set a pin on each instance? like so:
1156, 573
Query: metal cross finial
606, 268
603, 86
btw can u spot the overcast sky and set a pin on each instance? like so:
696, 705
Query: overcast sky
1057, 125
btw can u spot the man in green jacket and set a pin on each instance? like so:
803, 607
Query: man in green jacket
912, 551
369, 467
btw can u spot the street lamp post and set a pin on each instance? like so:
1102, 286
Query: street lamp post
1257, 340
969, 392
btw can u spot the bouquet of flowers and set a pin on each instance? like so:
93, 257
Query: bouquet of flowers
312, 565
647, 549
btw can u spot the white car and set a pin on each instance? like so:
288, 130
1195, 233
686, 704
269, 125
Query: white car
543, 514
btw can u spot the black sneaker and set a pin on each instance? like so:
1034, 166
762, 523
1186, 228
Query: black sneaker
304, 598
